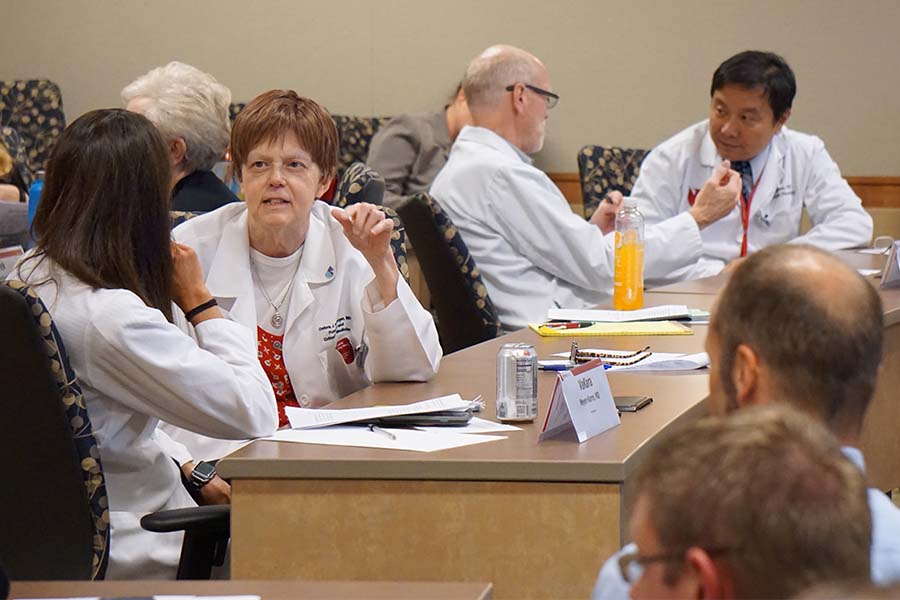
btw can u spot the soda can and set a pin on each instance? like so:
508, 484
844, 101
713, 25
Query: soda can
517, 390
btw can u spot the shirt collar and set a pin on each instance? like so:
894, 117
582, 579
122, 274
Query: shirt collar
488, 137
758, 162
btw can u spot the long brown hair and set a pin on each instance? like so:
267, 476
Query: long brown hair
104, 210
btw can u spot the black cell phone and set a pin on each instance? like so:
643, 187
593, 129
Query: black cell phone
632, 403
445, 418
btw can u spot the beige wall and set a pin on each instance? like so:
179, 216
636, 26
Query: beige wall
630, 72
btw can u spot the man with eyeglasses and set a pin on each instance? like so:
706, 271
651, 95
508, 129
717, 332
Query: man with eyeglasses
532, 251
795, 325
784, 173
760, 504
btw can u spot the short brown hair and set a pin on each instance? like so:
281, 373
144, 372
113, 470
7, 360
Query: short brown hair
771, 489
823, 345
276, 113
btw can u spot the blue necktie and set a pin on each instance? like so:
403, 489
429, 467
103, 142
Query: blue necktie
743, 167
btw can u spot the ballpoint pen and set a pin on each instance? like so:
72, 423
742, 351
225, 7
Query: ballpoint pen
376, 429
569, 325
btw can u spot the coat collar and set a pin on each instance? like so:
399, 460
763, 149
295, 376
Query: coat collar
230, 279
487, 137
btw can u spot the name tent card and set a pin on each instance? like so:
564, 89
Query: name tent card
890, 276
581, 401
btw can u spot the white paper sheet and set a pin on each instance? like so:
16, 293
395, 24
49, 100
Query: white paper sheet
653, 313
310, 418
658, 361
476, 425
362, 437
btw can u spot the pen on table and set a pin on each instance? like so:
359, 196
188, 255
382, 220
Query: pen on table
570, 325
565, 367
377, 429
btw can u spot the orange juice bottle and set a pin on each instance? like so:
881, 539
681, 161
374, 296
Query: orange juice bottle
628, 280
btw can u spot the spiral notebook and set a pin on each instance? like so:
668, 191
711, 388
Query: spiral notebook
602, 329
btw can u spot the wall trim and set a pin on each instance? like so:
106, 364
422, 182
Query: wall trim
875, 192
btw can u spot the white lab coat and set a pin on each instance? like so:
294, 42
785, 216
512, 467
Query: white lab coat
798, 174
533, 252
136, 368
334, 296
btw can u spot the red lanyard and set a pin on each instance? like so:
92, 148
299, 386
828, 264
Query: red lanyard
745, 213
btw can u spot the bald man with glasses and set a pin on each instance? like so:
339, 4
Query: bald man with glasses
532, 251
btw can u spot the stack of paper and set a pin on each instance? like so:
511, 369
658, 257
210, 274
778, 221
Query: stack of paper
334, 427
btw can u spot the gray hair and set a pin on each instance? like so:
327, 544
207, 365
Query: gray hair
184, 102
488, 75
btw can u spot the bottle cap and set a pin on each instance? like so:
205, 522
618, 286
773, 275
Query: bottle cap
630, 202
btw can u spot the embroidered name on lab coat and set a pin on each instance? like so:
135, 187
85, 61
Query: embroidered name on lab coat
331, 331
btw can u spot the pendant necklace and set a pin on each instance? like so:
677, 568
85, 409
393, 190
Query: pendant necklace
277, 320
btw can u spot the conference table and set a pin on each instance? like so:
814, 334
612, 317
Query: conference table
266, 590
537, 519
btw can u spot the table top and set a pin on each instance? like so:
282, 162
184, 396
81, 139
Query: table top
267, 590
608, 457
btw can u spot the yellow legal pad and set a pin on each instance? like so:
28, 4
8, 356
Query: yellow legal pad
633, 328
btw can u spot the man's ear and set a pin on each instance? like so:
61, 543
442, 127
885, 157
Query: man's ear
713, 581
780, 122
517, 97
745, 374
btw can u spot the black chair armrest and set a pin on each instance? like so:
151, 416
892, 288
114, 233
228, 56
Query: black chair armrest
210, 519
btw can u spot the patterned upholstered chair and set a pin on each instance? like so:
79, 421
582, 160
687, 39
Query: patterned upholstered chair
359, 183
34, 109
354, 136
465, 313
64, 533
234, 108
55, 517
604, 170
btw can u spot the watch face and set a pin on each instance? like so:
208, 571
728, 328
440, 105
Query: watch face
203, 472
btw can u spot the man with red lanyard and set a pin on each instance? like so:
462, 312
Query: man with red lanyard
783, 172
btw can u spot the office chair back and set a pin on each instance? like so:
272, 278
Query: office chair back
604, 170
54, 519
465, 313
359, 183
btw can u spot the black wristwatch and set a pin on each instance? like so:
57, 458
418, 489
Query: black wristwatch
202, 474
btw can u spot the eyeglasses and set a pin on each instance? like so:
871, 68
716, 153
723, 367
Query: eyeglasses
632, 565
549, 97
615, 358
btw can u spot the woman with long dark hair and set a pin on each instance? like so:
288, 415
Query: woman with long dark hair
108, 272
